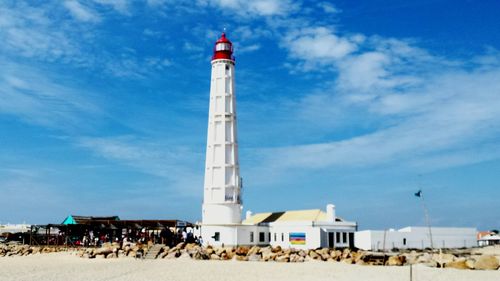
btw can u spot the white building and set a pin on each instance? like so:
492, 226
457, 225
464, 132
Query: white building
302, 229
14, 228
489, 239
221, 210
413, 237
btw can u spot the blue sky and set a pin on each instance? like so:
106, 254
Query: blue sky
104, 106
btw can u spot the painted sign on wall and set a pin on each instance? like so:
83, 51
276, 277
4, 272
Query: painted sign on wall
297, 238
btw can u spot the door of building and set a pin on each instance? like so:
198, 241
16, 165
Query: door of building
331, 243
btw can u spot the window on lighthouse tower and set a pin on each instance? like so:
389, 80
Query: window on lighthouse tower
223, 47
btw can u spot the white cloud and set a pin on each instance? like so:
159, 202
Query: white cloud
248, 48
190, 47
328, 8
39, 99
29, 32
450, 119
155, 3
257, 7
177, 164
81, 12
121, 6
317, 45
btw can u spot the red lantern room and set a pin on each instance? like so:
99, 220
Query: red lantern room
223, 49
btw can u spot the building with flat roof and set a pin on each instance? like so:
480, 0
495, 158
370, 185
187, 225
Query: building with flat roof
415, 237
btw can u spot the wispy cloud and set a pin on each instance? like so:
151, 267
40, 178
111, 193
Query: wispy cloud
258, 7
29, 32
41, 99
433, 117
177, 164
121, 6
329, 8
81, 12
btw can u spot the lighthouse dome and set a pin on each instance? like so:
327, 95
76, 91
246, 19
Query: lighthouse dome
223, 49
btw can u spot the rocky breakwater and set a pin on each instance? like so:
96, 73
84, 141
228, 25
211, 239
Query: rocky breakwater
11, 250
457, 260
465, 259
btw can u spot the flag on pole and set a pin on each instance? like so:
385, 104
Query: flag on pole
419, 193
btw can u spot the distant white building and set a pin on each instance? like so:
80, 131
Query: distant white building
14, 228
488, 238
413, 237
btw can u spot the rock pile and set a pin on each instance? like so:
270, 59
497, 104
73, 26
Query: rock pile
457, 260
277, 254
7, 250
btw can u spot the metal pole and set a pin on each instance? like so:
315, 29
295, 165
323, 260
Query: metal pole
426, 212
383, 244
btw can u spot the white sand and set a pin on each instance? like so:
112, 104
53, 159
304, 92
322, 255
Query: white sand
68, 267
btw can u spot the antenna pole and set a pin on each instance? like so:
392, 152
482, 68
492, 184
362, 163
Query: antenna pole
426, 212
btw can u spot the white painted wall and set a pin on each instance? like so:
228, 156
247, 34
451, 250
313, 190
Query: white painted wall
228, 235
316, 234
416, 237
221, 200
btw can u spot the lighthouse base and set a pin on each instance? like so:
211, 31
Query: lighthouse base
221, 214
231, 235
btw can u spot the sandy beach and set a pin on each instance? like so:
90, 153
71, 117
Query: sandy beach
67, 266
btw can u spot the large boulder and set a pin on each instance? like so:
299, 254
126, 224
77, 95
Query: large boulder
240, 258
191, 246
269, 256
323, 251
470, 263
103, 251
395, 261
276, 249
219, 251
346, 253
296, 258
336, 254
242, 251
487, 262
358, 257
209, 250
457, 264
314, 255
443, 259
200, 255
283, 258
254, 250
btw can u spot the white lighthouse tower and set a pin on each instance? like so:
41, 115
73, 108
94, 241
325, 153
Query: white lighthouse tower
222, 187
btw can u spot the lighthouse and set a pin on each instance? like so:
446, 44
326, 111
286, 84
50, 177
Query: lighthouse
222, 186
221, 210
